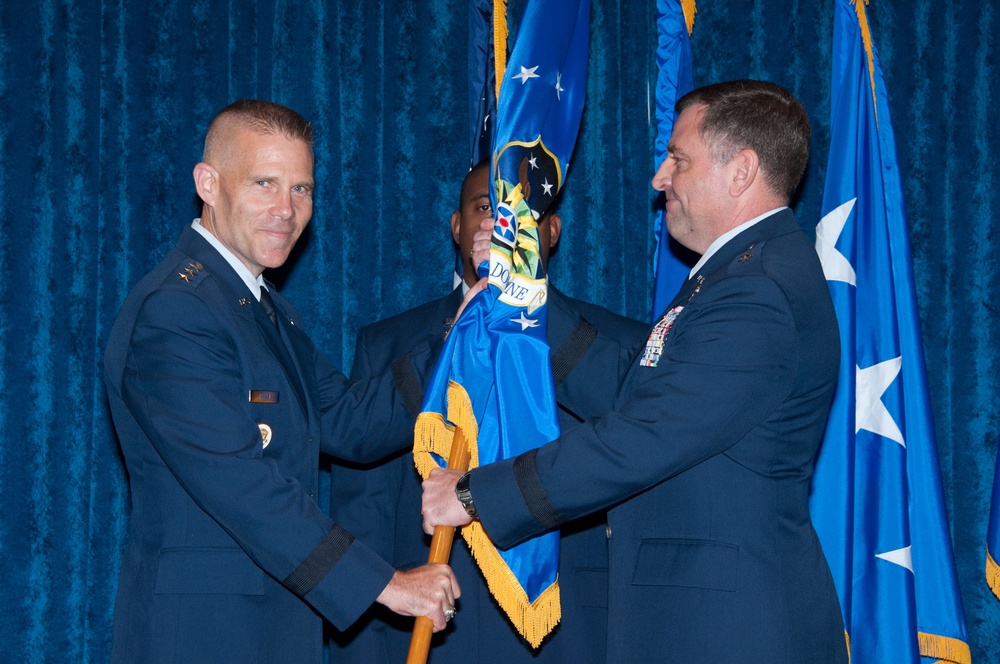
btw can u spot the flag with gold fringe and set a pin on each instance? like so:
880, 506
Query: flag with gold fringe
493, 380
674, 23
993, 535
876, 499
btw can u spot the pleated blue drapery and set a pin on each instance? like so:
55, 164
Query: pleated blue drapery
103, 108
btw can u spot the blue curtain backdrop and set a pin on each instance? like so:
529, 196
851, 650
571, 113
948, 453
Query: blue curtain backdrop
103, 107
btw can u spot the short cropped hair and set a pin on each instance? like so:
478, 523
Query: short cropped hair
479, 165
758, 115
261, 117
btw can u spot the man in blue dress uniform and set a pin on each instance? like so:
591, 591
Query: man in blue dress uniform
705, 461
590, 349
222, 405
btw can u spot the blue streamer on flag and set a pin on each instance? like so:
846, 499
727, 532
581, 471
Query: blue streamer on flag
877, 501
675, 79
493, 380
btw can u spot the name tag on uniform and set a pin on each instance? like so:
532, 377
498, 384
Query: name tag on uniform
263, 396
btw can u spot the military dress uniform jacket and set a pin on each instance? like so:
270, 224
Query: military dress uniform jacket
382, 504
221, 419
705, 463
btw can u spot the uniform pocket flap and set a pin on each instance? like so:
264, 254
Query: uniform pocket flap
687, 562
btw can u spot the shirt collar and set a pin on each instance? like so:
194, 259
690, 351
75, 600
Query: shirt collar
253, 283
729, 235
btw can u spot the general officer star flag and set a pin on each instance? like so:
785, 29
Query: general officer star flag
493, 380
877, 502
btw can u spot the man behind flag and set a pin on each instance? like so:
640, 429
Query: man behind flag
705, 460
381, 505
493, 379
877, 496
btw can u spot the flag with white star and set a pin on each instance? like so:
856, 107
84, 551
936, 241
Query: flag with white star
493, 380
674, 23
876, 498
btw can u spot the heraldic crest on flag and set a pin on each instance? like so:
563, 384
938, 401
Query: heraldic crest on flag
493, 382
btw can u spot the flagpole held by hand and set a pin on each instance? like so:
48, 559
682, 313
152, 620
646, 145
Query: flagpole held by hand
440, 552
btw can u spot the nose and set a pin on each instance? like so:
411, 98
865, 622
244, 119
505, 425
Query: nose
661, 179
282, 207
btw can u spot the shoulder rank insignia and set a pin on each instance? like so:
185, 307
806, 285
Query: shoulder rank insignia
191, 270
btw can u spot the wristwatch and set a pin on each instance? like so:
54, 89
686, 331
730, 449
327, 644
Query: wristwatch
465, 496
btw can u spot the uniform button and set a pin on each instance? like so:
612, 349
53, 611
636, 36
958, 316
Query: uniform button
607, 530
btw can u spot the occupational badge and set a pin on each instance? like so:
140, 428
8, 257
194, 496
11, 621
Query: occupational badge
265, 433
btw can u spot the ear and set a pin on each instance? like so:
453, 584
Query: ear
555, 229
456, 225
746, 168
206, 182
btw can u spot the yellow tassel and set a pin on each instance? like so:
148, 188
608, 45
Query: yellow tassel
533, 620
690, 9
433, 434
500, 33
866, 37
848, 638
946, 649
992, 574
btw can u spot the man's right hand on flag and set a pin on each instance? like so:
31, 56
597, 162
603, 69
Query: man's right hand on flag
428, 590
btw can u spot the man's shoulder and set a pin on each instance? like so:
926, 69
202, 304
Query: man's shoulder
606, 322
419, 319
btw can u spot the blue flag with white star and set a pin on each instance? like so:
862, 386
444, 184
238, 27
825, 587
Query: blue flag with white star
876, 497
493, 380
674, 21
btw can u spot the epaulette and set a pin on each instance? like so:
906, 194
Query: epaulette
188, 272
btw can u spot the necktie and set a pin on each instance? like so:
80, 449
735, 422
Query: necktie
268, 304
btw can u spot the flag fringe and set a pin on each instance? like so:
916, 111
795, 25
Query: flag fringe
866, 37
944, 648
432, 434
534, 620
992, 574
500, 33
690, 9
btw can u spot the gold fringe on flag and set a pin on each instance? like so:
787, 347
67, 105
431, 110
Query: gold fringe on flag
866, 36
690, 9
500, 33
992, 574
946, 649
534, 620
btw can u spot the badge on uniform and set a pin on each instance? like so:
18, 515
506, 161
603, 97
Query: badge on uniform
265, 433
654, 344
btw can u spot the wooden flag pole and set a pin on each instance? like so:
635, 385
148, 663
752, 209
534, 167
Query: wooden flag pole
444, 536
